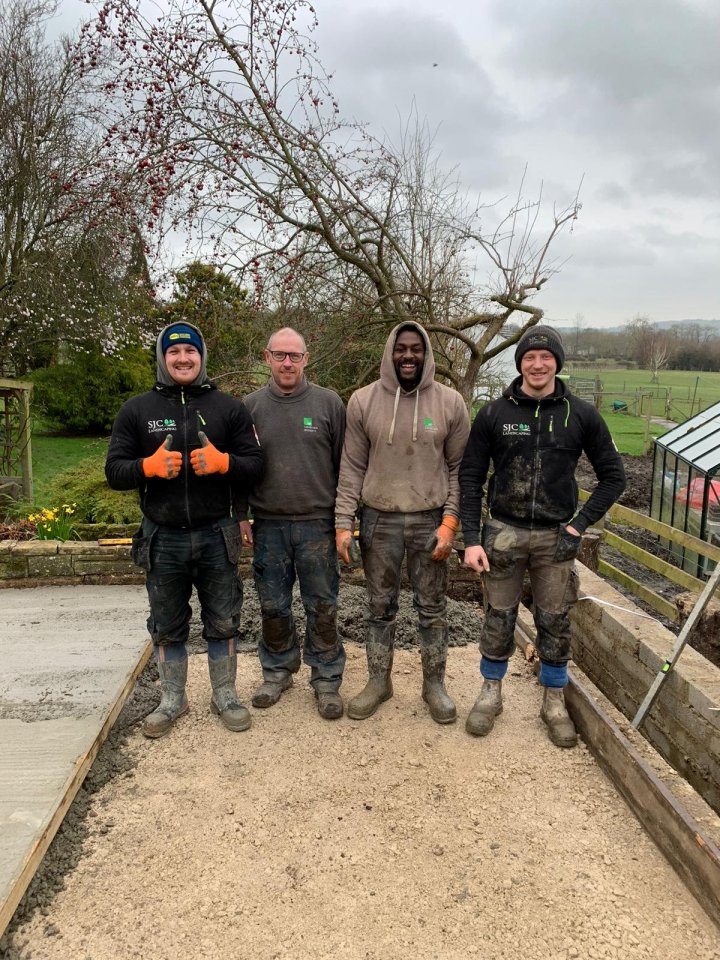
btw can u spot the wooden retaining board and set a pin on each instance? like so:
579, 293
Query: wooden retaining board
70, 657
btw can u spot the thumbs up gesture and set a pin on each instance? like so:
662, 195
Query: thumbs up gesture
164, 463
208, 459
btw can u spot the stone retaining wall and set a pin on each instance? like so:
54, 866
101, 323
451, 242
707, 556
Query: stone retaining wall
31, 562
622, 652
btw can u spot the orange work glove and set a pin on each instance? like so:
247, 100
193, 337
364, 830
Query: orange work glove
208, 459
164, 463
445, 534
343, 539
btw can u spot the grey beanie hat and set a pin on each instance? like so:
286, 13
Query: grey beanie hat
540, 338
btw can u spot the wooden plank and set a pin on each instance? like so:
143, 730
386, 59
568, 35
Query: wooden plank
620, 514
652, 562
689, 850
649, 596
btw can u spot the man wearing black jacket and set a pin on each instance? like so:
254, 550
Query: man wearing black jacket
191, 450
533, 435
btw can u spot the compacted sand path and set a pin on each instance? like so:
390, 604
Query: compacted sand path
388, 838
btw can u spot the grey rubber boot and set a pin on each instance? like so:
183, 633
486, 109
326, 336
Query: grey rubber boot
173, 702
488, 705
378, 689
225, 702
271, 689
561, 729
433, 652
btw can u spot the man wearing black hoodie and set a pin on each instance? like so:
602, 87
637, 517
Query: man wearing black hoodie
191, 451
533, 435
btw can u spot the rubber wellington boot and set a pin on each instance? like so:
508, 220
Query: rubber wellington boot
173, 702
488, 705
271, 689
378, 689
225, 702
433, 652
561, 729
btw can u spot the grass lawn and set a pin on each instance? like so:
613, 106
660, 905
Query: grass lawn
52, 455
676, 395
628, 432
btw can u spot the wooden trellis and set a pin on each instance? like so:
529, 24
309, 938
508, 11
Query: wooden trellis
15, 445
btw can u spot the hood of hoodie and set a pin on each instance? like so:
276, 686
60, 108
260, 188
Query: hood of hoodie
162, 376
388, 376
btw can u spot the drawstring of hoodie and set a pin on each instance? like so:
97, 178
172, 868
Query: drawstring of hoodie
391, 434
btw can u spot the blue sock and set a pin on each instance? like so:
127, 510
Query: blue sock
217, 649
493, 669
170, 652
553, 674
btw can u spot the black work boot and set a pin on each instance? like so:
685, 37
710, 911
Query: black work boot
329, 704
488, 705
173, 702
225, 702
561, 729
271, 689
433, 652
378, 689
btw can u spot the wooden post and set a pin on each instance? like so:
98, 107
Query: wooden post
25, 443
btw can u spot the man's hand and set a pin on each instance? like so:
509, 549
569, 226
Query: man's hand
208, 458
164, 463
444, 536
343, 539
476, 559
573, 531
246, 536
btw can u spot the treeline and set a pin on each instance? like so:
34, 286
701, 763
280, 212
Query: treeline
691, 345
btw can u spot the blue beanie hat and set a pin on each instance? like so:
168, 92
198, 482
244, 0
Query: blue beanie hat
178, 333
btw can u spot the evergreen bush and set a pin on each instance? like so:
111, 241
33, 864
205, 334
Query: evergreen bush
86, 486
84, 394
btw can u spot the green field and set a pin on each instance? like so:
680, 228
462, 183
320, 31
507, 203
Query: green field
676, 395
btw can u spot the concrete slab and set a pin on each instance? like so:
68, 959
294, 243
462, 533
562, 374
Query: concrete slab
70, 656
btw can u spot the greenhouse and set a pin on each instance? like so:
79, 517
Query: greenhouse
686, 490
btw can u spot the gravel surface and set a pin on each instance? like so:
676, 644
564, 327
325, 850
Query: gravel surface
388, 838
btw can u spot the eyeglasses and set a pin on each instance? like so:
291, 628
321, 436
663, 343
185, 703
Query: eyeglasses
279, 356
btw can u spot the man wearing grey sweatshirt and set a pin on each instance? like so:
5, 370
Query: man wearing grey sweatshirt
302, 427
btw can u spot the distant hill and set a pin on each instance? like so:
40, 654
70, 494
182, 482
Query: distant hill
660, 324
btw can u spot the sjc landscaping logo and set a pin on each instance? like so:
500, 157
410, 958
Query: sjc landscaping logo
160, 426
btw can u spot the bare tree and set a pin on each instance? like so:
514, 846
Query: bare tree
224, 108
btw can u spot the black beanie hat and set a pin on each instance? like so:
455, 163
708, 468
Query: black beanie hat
540, 338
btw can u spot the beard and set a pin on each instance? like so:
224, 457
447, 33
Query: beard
405, 377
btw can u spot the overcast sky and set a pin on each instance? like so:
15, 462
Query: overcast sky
623, 95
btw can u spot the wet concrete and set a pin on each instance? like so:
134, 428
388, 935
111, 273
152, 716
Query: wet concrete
67, 653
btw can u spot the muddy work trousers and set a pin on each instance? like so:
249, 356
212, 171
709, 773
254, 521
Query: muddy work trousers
548, 555
385, 539
177, 560
284, 550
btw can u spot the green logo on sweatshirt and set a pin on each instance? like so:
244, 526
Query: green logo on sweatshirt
307, 421
427, 422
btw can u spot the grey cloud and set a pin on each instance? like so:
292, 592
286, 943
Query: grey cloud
387, 60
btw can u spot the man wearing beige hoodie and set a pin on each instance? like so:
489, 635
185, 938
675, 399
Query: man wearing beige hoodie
404, 442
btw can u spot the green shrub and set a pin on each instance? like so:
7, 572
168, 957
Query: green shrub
84, 394
86, 486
